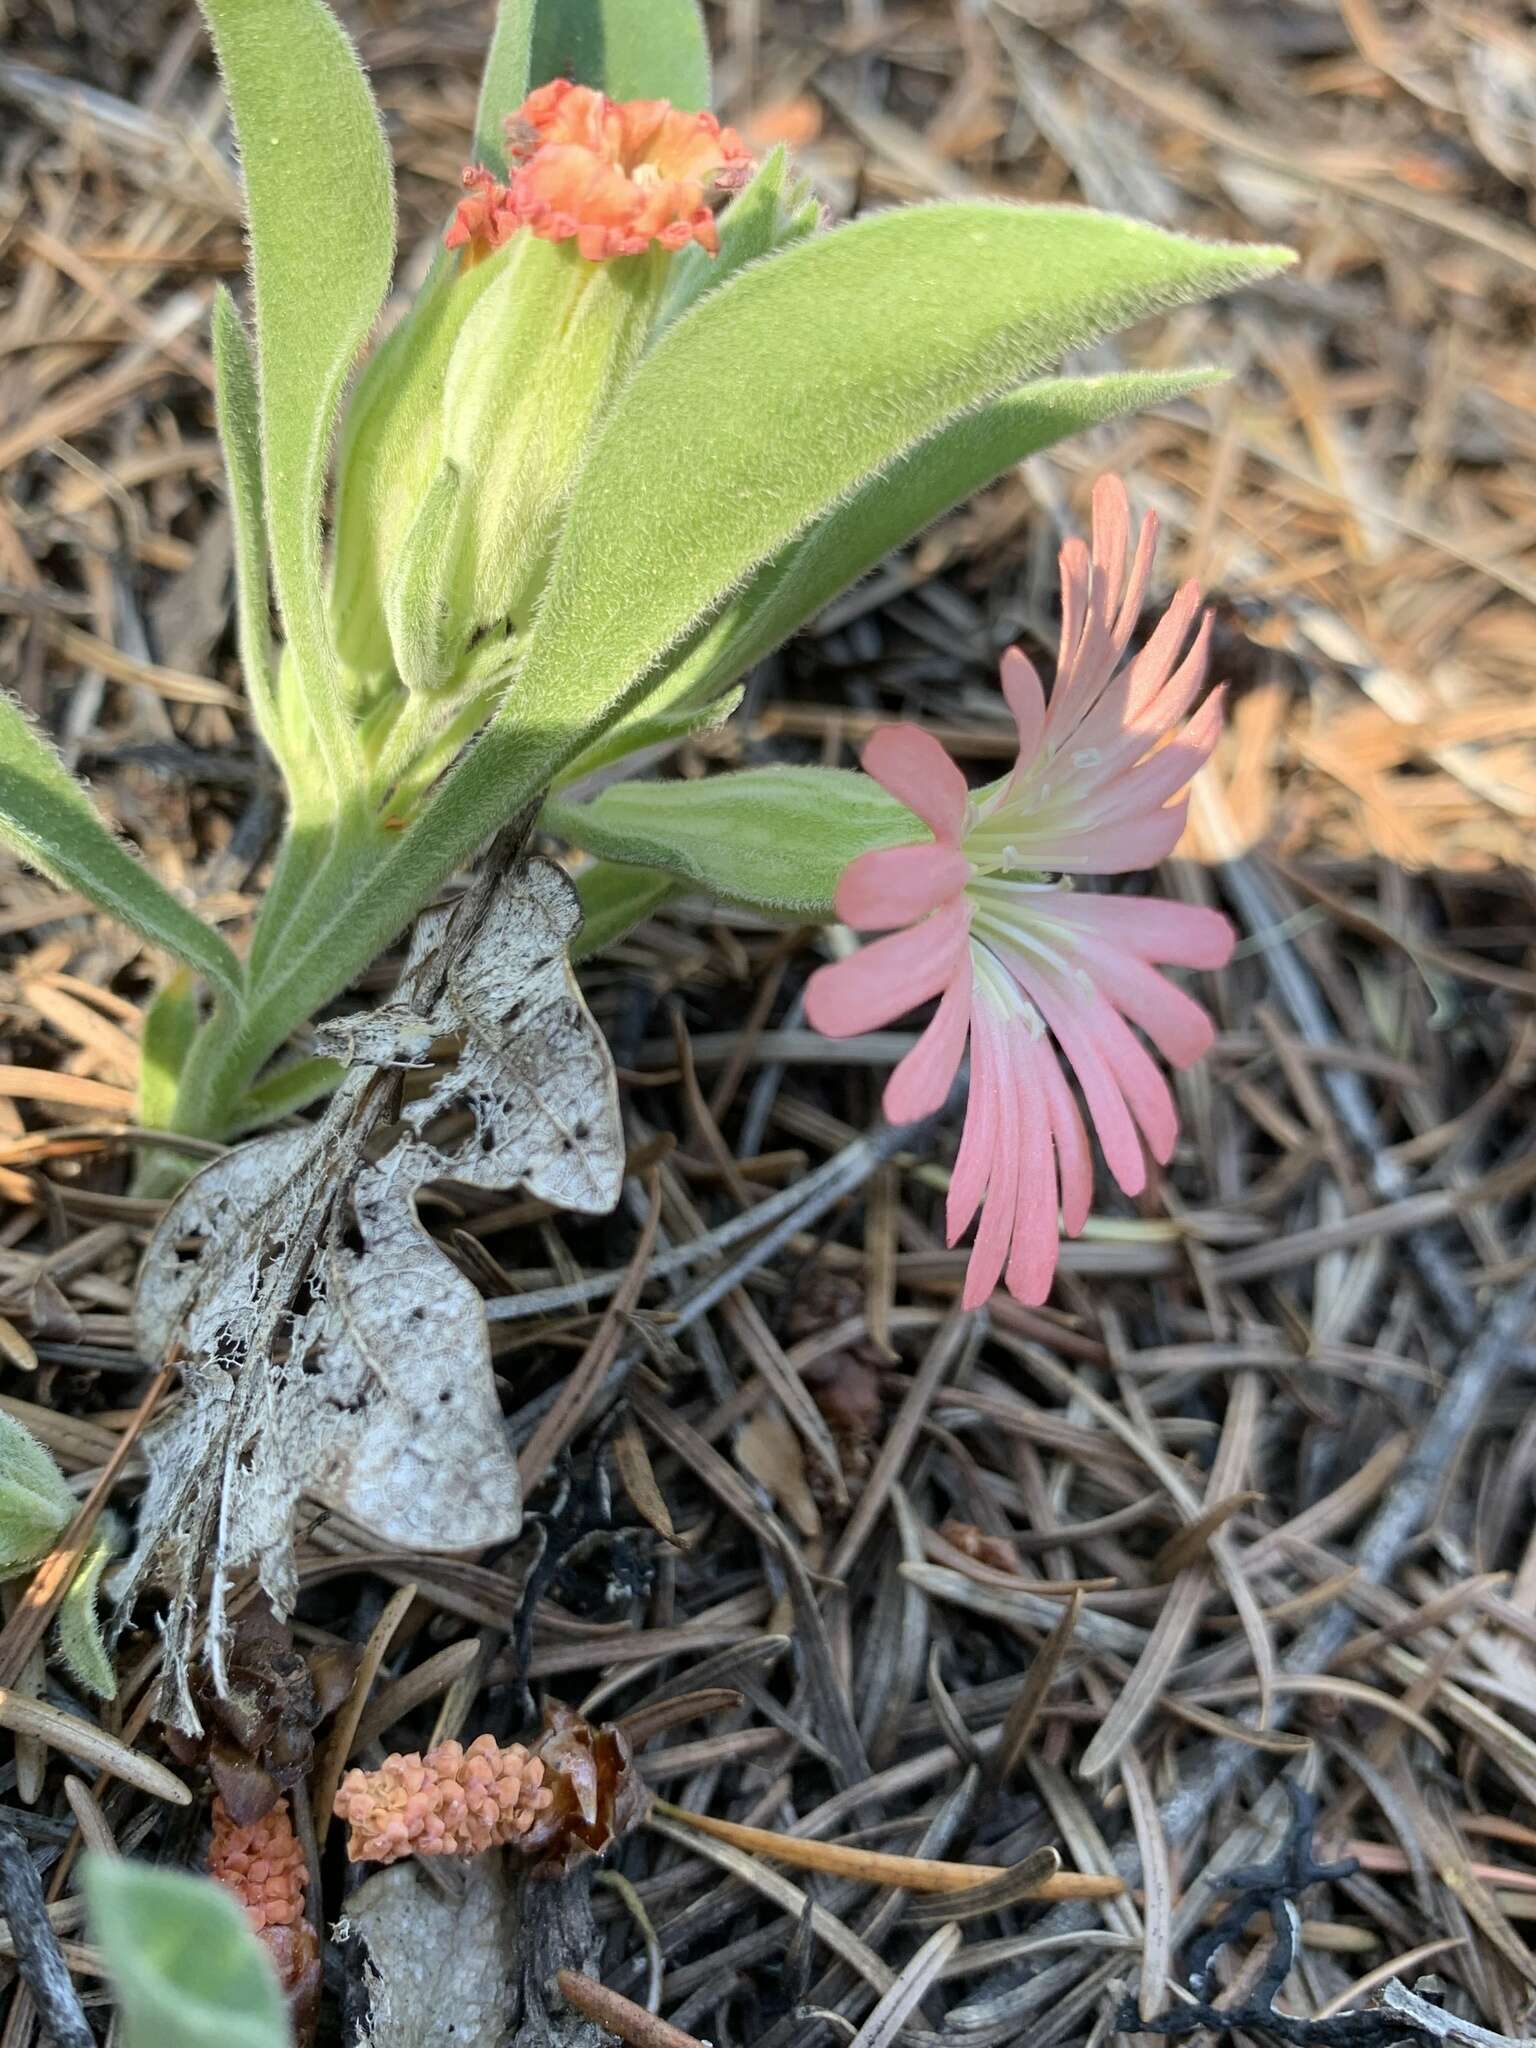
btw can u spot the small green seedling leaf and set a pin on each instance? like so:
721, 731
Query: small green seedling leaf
185, 1963
320, 202
775, 838
78, 1634
36, 1507
46, 817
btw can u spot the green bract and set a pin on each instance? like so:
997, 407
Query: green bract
775, 838
575, 500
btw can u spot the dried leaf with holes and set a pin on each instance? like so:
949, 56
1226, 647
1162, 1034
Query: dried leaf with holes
429, 1953
327, 1345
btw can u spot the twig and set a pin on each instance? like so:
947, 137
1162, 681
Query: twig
38, 1955
620, 2015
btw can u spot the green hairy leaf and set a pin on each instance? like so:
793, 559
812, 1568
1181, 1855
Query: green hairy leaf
894, 507
418, 597
504, 82
869, 340
773, 210
391, 444
631, 49
320, 203
170, 1025
664, 729
239, 416
285, 1093
614, 900
36, 1505
185, 1963
46, 817
78, 1631
775, 838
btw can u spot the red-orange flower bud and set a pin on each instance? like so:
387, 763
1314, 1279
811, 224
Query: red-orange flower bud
614, 176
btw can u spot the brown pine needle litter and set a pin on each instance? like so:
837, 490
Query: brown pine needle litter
1247, 1506
904, 1873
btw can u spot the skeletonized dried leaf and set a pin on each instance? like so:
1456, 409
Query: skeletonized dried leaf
327, 1345
429, 1955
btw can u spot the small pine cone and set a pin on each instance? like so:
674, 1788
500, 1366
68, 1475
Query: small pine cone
451, 1802
263, 1865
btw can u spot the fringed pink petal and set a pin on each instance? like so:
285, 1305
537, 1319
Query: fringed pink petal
1111, 530
1123, 849
1074, 568
882, 981
1136, 584
915, 769
978, 1137
898, 884
1118, 743
1093, 662
1068, 1018
1032, 1254
921, 1082
995, 1234
1074, 1158
1173, 934
1155, 664
1140, 1080
1148, 786
1026, 700
1176, 1024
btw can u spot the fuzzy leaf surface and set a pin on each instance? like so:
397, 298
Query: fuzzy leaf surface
775, 838
614, 899
185, 1964
869, 340
894, 507
320, 204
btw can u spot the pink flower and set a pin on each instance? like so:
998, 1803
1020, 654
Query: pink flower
1030, 970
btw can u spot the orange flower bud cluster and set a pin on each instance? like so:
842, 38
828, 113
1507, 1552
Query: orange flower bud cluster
263, 1865
614, 176
451, 1802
